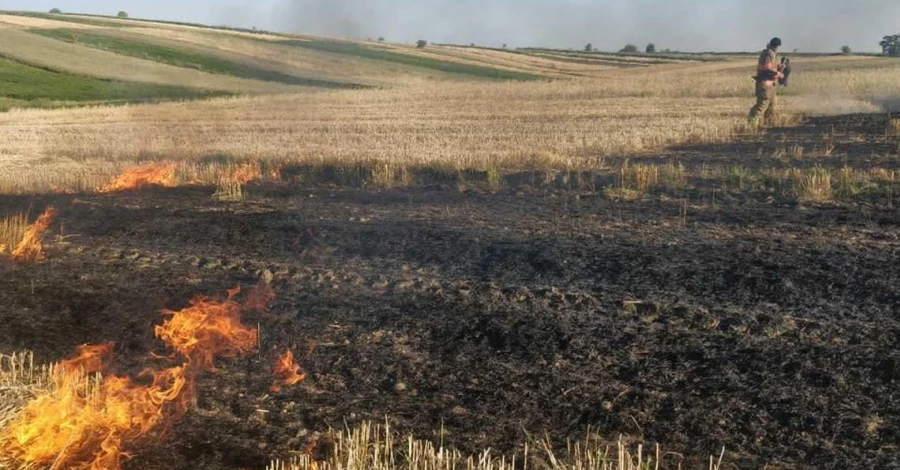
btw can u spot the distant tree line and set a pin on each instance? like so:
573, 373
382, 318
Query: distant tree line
891, 45
628, 49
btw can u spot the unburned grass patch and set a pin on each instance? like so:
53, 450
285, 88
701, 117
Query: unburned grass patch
371, 446
893, 126
385, 55
12, 229
183, 57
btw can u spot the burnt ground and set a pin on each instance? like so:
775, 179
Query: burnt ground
755, 322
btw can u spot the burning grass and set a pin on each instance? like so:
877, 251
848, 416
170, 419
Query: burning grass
286, 371
89, 419
25, 242
136, 177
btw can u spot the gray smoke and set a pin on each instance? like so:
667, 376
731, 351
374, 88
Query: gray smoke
721, 25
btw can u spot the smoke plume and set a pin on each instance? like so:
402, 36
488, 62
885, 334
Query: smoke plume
725, 25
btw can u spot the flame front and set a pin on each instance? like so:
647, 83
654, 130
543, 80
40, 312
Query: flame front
88, 423
287, 372
159, 174
31, 248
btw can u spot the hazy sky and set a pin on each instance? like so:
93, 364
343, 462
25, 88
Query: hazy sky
712, 25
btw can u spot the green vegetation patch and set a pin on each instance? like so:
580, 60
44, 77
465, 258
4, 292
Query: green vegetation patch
183, 57
360, 50
24, 85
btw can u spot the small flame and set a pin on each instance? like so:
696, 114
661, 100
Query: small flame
136, 177
245, 173
87, 423
30, 249
287, 372
207, 328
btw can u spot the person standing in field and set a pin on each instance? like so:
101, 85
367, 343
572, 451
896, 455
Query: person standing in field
768, 72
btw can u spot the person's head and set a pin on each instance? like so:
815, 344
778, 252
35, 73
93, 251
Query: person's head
775, 43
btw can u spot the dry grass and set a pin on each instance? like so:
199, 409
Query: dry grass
228, 189
19, 379
373, 447
893, 126
31, 22
12, 230
463, 126
813, 185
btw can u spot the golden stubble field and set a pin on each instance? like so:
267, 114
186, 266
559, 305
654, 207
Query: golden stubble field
505, 126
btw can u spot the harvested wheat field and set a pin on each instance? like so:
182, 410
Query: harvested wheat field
229, 249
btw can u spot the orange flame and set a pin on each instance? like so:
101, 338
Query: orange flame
287, 372
207, 328
84, 423
88, 359
246, 172
136, 177
30, 249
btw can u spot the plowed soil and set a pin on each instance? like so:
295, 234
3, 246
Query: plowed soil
750, 321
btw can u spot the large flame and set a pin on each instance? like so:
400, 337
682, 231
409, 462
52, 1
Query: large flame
31, 248
158, 174
286, 371
88, 423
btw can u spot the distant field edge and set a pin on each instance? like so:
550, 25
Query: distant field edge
366, 52
183, 57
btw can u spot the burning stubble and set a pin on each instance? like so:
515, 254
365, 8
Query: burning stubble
88, 421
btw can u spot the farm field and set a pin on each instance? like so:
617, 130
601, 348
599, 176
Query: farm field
486, 248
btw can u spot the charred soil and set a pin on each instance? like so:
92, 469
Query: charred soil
749, 321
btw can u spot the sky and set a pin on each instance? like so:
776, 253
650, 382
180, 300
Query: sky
711, 25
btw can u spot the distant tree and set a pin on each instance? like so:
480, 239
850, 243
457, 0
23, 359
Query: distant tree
650, 49
846, 50
380, 38
504, 45
421, 43
891, 45
629, 48
55, 11
588, 47
122, 14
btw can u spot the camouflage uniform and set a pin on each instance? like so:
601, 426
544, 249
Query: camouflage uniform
766, 98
